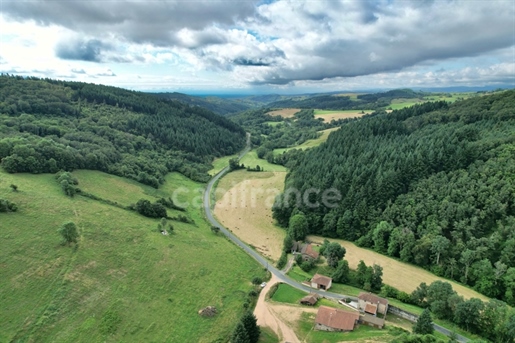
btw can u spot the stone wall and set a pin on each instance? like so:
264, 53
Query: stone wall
403, 314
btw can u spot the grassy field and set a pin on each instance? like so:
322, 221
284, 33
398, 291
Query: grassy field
284, 112
327, 116
287, 294
251, 159
125, 281
403, 276
274, 123
268, 336
310, 143
219, 164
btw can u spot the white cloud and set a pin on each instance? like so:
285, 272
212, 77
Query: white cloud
297, 44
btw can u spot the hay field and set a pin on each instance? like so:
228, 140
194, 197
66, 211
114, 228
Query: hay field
400, 275
284, 112
244, 205
327, 116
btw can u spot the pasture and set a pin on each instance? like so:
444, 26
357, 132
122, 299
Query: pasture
309, 143
219, 164
251, 159
125, 281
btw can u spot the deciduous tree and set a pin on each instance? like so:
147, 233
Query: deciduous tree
424, 324
69, 232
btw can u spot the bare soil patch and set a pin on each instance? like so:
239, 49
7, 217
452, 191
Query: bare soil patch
279, 318
400, 275
285, 112
340, 115
246, 209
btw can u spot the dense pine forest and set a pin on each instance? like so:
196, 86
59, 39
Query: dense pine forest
48, 125
433, 185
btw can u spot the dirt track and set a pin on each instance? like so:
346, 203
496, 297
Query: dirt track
279, 318
266, 317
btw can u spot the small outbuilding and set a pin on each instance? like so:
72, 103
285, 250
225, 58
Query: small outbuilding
321, 282
310, 299
308, 253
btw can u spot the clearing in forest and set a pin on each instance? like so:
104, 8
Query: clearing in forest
284, 112
327, 116
309, 143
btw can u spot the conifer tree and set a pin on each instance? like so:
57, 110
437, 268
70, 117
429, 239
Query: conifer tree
250, 323
239, 335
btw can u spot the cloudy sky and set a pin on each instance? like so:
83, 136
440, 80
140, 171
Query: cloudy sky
288, 46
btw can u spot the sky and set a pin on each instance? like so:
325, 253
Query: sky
243, 46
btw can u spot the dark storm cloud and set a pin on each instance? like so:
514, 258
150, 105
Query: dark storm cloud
153, 22
91, 50
250, 62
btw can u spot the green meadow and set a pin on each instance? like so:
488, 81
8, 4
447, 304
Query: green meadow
124, 281
309, 143
219, 164
251, 159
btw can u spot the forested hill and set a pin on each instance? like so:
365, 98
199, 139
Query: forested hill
215, 104
433, 184
371, 101
48, 125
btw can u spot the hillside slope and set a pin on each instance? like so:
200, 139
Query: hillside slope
432, 185
47, 125
125, 281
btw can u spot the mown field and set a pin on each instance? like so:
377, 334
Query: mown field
125, 281
243, 200
403, 276
328, 116
284, 112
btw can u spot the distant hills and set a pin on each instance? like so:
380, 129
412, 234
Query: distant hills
339, 100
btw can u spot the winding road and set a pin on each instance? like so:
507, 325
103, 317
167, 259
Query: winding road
278, 273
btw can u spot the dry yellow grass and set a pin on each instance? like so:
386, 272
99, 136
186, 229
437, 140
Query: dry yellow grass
400, 275
341, 115
285, 112
244, 203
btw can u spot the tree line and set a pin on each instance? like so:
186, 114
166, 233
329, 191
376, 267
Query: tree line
431, 185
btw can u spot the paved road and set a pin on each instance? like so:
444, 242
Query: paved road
447, 332
279, 274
